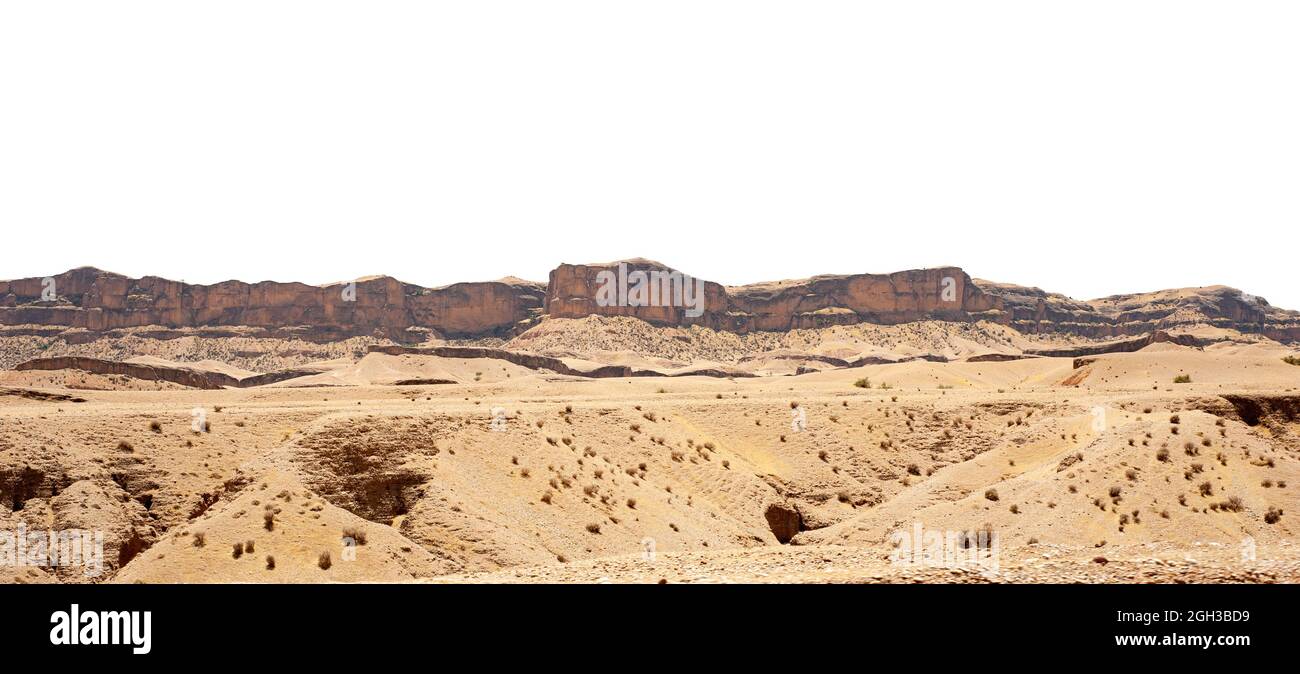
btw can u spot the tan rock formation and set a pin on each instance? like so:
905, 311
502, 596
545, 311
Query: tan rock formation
96, 300
91, 300
944, 293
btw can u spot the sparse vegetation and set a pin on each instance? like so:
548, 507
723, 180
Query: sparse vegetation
425, 468
1233, 505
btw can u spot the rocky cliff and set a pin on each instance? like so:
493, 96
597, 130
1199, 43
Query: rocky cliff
96, 300
1031, 310
945, 293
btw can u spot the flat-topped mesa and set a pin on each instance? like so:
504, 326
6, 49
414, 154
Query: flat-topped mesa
612, 289
99, 301
96, 300
945, 293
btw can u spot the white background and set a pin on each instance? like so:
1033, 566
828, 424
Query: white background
1089, 148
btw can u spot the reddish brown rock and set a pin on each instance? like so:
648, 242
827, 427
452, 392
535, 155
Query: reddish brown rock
944, 293
572, 292
97, 301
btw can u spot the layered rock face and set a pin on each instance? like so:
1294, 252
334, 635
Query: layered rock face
575, 291
1031, 310
97, 301
945, 293
179, 375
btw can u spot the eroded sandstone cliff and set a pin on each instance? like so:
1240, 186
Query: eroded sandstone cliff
98, 301
944, 293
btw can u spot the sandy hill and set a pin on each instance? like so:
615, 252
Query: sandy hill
609, 338
277, 532
547, 477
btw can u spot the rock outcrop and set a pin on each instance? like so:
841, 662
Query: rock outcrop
944, 293
178, 375
1119, 346
1031, 310
89, 302
821, 301
533, 361
528, 360
97, 301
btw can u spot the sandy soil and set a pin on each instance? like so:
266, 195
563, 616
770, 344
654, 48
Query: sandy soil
1105, 472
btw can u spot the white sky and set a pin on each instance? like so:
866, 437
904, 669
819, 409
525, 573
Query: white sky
1088, 148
